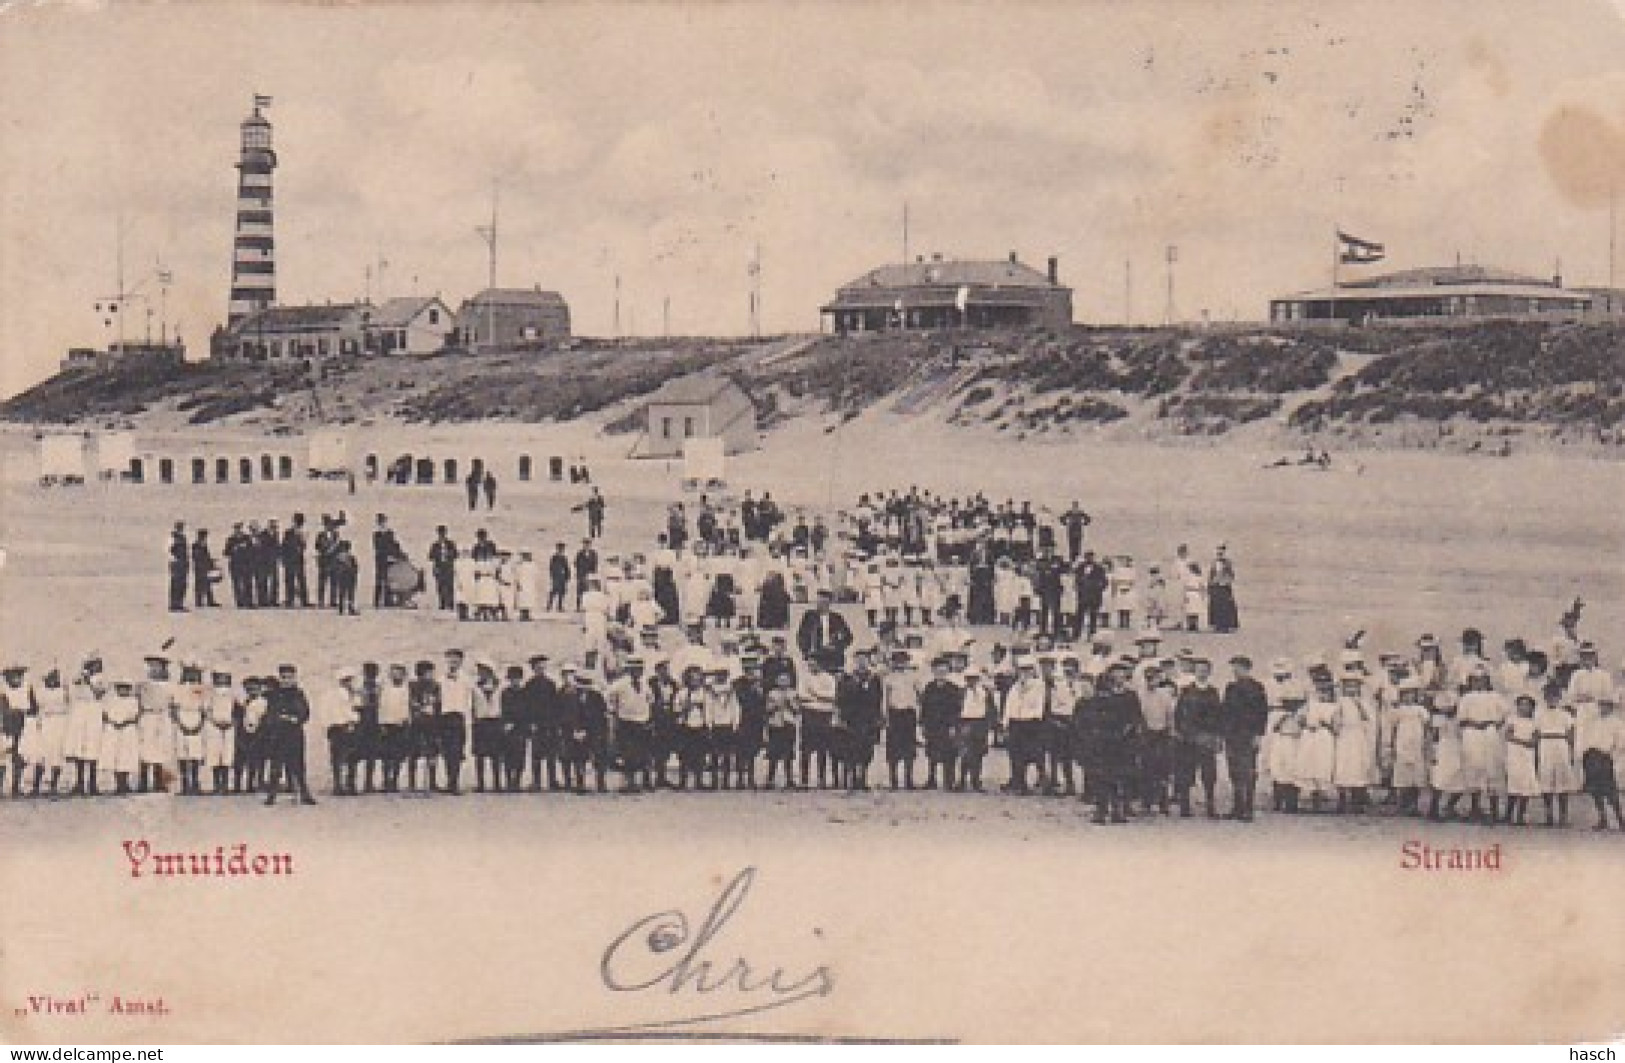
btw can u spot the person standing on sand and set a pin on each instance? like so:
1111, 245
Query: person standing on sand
203, 572
595, 506
287, 710
558, 575
179, 562
472, 484
586, 567
295, 588
386, 549
442, 562
1221, 594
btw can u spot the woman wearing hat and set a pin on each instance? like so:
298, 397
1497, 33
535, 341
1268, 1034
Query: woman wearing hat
1352, 767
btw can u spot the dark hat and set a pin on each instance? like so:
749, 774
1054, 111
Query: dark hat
1241, 660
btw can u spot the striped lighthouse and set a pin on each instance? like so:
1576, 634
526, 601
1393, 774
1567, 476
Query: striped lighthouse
253, 253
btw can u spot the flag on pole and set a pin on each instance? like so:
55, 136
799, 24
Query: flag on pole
261, 101
1354, 251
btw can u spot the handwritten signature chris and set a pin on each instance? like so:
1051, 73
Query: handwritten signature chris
664, 953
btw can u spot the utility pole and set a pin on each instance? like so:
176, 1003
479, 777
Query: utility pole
755, 272
617, 329
1128, 291
665, 317
1171, 255
489, 234
165, 279
1613, 230
905, 232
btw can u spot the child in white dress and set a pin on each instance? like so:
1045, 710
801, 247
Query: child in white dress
1408, 754
1523, 778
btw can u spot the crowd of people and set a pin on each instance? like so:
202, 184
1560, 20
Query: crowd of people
1135, 733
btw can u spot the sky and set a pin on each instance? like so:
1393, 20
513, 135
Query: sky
663, 143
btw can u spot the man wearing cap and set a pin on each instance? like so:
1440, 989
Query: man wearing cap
189, 711
1025, 708
1059, 734
941, 703
386, 550
586, 567
722, 714
203, 572
268, 548
296, 589
901, 695
820, 686
457, 708
414, 711
287, 710
339, 721
1198, 716
546, 741
443, 563
514, 708
219, 730
1244, 716
238, 551
1090, 580
179, 563
977, 712
1155, 760
751, 695
631, 706
485, 713
590, 733
859, 715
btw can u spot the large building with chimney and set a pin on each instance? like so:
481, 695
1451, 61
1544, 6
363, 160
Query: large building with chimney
937, 293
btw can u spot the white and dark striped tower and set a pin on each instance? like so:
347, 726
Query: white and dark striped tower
253, 253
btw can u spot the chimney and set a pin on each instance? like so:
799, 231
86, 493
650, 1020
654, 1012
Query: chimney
1054, 270
1012, 258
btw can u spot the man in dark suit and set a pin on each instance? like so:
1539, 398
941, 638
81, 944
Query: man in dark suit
1243, 719
386, 549
180, 560
824, 631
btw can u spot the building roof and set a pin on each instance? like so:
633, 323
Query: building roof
300, 318
515, 297
953, 273
1435, 276
694, 390
400, 312
1499, 289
